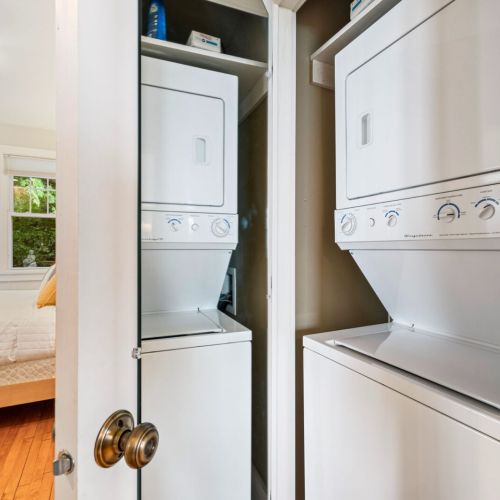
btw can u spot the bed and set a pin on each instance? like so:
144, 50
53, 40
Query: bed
27, 349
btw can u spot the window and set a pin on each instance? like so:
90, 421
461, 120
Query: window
33, 222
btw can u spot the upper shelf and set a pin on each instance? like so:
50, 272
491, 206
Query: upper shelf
252, 6
248, 71
324, 75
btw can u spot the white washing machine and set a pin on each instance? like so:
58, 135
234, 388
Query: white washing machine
196, 361
197, 389
411, 409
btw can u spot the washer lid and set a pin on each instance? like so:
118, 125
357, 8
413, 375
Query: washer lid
183, 330
175, 324
467, 368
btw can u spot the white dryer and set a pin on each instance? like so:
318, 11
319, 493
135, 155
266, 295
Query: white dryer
411, 409
189, 138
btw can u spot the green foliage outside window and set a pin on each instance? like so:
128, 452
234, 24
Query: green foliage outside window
35, 235
33, 238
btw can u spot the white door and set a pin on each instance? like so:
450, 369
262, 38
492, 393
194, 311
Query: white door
97, 147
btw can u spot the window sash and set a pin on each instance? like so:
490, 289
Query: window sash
30, 214
47, 189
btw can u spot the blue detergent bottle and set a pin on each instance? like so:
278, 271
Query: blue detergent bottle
157, 22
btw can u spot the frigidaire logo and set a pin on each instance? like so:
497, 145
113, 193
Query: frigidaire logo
415, 236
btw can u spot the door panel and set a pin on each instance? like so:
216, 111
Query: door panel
421, 111
182, 148
200, 401
97, 176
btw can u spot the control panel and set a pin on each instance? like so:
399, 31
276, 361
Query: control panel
468, 213
179, 227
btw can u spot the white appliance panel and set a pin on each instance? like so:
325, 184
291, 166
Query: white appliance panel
458, 215
453, 293
200, 400
193, 230
435, 119
183, 279
189, 138
182, 148
364, 440
414, 102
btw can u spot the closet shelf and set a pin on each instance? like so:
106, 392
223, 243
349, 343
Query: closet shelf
249, 72
323, 67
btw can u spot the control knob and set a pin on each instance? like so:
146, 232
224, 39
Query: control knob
448, 214
392, 220
174, 224
487, 211
221, 227
348, 224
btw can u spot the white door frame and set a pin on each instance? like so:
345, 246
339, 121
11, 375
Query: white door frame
97, 247
281, 252
97, 128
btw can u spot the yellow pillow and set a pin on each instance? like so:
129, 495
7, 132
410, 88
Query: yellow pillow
47, 295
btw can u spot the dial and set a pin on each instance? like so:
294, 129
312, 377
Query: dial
371, 222
221, 227
448, 213
487, 211
348, 224
174, 224
392, 220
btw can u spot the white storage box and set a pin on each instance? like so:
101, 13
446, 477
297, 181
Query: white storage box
203, 41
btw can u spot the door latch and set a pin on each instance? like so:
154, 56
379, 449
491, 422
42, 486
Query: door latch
63, 464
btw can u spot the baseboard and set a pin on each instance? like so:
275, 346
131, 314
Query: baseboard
259, 489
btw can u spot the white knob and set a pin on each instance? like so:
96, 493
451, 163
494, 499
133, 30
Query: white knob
487, 212
221, 227
174, 225
371, 222
348, 225
448, 214
195, 227
392, 220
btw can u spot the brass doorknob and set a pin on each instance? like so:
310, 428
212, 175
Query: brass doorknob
118, 437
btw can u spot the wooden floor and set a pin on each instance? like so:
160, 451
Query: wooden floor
26, 451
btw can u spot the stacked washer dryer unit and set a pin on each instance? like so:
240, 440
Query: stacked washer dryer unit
196, 361
411, 409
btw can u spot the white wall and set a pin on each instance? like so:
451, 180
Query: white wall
27, 137
23, 141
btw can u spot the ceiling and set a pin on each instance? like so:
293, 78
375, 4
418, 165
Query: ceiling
27, 63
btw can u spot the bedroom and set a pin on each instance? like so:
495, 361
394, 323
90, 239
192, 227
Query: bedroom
27, 249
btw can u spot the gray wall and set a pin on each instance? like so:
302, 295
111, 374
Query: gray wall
250, 259
331, 292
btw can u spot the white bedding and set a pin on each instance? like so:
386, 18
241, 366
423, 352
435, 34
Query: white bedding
26, 333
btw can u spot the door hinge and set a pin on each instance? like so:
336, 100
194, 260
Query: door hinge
136, 353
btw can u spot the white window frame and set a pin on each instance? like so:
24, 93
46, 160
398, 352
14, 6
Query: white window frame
9, 276
30, 214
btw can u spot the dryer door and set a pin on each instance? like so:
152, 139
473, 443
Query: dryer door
420, 111
182, 148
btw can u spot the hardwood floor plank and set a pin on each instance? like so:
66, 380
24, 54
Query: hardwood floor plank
26, 452
17, 458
